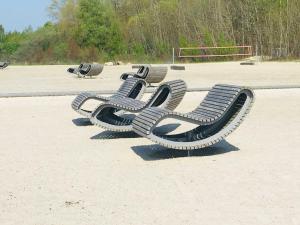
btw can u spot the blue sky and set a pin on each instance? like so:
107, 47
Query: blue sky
19, 14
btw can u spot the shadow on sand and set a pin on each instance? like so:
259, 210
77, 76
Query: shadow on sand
106, 135
118, 135
157, 152
82, 122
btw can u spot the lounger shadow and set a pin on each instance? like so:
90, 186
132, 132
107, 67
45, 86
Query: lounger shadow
82, 122
107, 135
158, 152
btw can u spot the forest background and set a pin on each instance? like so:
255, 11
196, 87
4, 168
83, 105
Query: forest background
147, 30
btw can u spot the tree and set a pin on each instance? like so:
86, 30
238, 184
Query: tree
97, 27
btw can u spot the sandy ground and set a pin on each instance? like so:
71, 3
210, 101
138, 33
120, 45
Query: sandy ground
20, 79
54, 172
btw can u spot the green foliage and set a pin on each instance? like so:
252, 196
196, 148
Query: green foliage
145, 30
10, 43
60, 51
97, 27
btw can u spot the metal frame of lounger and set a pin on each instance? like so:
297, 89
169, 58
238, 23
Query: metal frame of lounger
3, 65
167, 96
132, 88
151, 74
219, 114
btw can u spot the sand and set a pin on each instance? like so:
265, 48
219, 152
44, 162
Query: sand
37, 79
55, 172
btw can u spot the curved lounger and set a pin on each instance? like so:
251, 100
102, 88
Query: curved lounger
87, 70
90, 70
167, 96
219, 114
151, 74
3, 65
132, 88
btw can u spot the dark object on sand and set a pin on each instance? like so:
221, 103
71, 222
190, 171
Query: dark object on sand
175, 67
247, 63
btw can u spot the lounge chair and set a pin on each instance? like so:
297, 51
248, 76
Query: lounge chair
219, 114
167, 96
132, 88
76, 70
87, 70
151, 74
91, 70
3, 65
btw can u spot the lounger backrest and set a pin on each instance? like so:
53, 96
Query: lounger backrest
217, 101
156, 74
152, 74
130, 86
168, 95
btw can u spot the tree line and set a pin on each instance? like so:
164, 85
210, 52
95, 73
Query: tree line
147, 30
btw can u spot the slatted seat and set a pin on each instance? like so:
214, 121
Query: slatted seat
131, 88
167, 96
219, 114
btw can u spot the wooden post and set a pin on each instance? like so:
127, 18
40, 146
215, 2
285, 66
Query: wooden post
173, 56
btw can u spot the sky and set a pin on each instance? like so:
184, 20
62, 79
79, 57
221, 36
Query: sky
19, 14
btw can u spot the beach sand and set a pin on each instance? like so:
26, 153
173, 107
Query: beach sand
39, 79
56, 169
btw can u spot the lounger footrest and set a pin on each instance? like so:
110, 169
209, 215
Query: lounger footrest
83, 97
